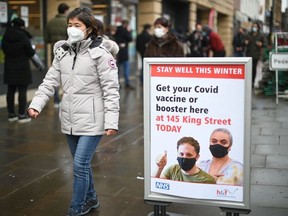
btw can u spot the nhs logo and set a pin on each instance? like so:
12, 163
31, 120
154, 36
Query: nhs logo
163, 186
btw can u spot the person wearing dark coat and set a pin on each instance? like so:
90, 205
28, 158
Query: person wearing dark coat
239, 43
255, 42
123, 37
18, 51
55, 31
141, 43
198, 42
163, 42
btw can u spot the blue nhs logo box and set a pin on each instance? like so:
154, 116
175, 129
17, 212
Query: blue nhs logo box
163, 186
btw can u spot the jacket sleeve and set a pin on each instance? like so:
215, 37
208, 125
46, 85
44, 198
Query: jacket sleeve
28, 45
47, 88
108, 76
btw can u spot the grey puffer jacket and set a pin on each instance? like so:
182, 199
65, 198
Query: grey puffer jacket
89, 79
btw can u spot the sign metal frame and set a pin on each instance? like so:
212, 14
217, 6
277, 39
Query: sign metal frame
154, 196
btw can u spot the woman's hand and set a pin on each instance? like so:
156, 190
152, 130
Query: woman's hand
109, 132
32, 113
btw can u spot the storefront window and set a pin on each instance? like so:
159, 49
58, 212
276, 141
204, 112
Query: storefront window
30, 12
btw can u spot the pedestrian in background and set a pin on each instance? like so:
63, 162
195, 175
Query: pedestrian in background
106, 41
56, 30
198, 42
123, 37
88, 74
255, 41
239, 43
18, 51
141, 43
110, 31
215, 44
163, 43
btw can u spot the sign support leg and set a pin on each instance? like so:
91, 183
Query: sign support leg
235, 212
163, 210
159, 207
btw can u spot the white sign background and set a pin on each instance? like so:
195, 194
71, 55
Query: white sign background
228, 103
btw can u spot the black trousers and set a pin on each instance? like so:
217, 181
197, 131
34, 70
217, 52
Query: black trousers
221, 53
22, 98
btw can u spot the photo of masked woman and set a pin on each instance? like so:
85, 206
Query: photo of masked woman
224, 169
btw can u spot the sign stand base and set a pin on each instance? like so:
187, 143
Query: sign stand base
235, 212
159, 207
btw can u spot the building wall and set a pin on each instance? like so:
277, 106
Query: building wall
277, 12
52, 6
223, 19
149, 10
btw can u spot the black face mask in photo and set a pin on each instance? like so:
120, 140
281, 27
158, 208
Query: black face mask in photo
218, 150
186, 163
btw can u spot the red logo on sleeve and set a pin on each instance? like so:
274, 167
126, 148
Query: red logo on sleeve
112, 63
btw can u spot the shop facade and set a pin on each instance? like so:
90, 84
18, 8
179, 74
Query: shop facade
183, 14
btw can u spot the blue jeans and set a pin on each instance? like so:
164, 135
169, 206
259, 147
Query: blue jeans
126, 68
82, 149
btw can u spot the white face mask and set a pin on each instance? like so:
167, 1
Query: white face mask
254, 29
74, 34
159, 32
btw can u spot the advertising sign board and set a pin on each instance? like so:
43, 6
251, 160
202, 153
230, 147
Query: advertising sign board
206, 101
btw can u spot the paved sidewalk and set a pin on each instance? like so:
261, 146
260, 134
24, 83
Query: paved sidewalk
36, 169
269, 148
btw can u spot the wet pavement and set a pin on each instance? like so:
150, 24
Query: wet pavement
36, 166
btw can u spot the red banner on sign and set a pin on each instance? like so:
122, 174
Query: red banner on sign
199, 71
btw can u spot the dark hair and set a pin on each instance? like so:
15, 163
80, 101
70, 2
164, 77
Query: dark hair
100, 26
258, 25
18, 22
125, 22
85, 15
62, 8
147, 26
190, 140
162, 21
206, 29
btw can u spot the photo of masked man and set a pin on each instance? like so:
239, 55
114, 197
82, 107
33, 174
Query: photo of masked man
224, 169
188, 150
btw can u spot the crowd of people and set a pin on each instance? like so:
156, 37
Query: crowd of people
156, 40
201, 42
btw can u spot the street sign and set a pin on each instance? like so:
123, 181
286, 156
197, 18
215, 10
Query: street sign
191, 97
278, 61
